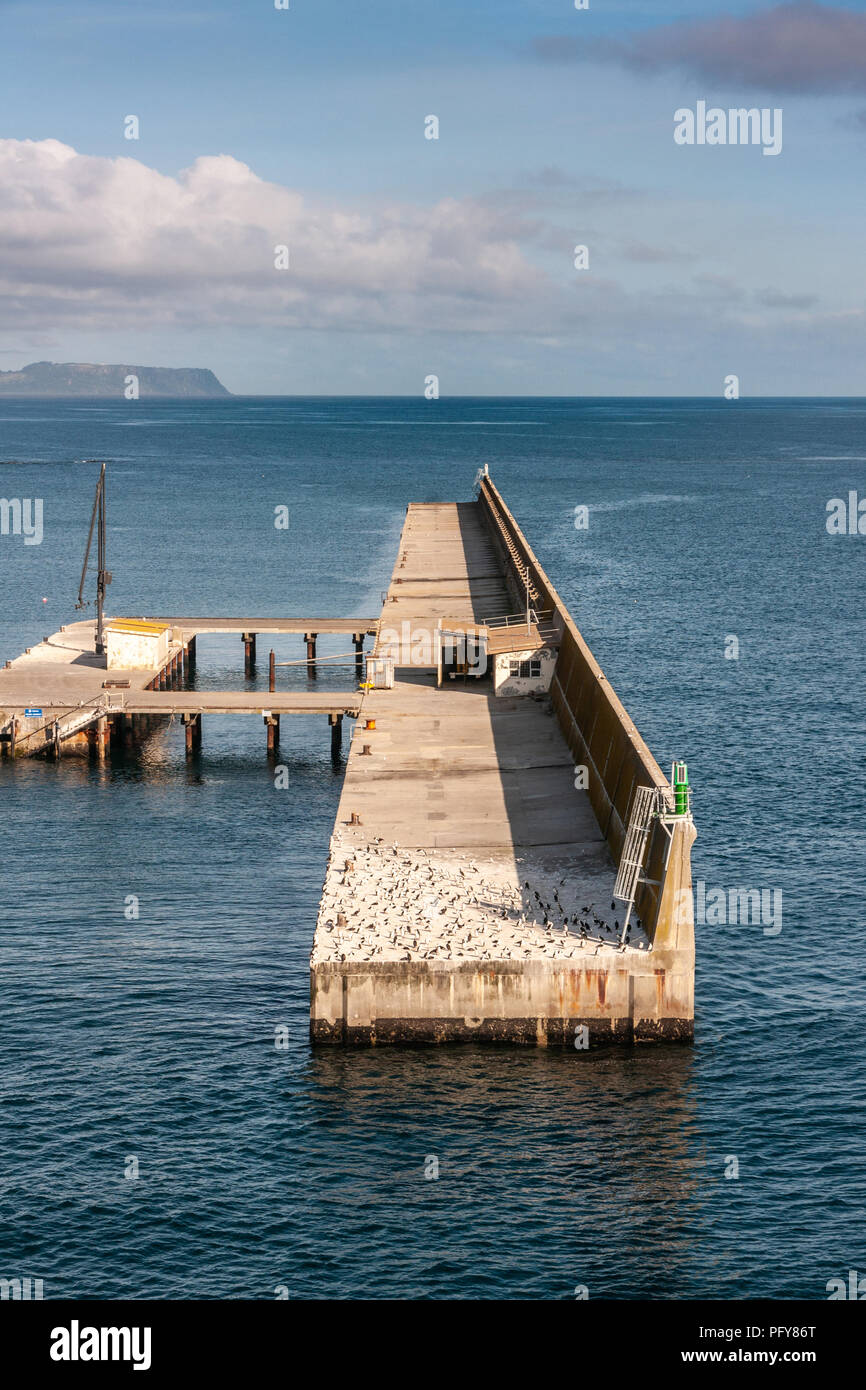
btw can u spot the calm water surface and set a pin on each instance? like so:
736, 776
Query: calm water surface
155, 1038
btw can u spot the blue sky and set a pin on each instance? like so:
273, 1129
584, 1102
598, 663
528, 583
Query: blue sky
454, 256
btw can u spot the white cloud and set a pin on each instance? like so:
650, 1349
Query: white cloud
100, 240
101, 256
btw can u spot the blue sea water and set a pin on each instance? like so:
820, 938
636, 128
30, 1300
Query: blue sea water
155, 1038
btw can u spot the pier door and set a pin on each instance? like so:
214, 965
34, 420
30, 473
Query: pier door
462, 652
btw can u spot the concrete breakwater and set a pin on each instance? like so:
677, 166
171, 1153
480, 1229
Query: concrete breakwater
509, 862
469, 890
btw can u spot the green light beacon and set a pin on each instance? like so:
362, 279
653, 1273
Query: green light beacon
680, 781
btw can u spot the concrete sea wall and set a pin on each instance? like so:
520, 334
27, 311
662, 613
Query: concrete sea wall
533, 1002
601, 737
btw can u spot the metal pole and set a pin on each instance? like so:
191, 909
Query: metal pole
100, 568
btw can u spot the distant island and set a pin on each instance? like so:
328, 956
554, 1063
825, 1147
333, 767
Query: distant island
99, 379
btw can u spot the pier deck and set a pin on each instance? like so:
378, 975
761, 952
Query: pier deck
194, 627
69, 684
453, 910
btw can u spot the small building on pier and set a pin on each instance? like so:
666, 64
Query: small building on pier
519, 657
136, 644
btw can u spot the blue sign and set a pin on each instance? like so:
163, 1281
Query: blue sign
33, 714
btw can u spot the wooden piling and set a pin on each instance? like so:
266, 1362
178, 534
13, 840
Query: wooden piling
310, 639
272, 672
272, 722
249, 654
192, 728
336, 723
358, 640
190, 656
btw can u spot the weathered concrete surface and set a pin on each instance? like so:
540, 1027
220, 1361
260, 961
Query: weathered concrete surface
504, 1001
468, 891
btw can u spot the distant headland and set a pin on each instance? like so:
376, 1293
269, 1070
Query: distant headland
100, 379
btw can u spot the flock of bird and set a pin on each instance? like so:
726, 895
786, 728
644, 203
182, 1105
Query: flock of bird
384, 902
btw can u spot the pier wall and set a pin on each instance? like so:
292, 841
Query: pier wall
533, 1002
601, 736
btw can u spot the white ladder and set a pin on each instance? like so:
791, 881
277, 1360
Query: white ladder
643, 807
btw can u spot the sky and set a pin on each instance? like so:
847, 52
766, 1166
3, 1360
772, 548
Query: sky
408, 257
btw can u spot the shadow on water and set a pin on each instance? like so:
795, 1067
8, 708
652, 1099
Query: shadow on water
581, 1150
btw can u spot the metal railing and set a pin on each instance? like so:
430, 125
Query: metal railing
537, 616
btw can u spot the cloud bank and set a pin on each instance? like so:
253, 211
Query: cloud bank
796, 47
99, 246
104, 241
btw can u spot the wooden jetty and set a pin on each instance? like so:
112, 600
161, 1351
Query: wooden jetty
62, 696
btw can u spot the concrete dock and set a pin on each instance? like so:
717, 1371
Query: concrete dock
509, 863
468, 894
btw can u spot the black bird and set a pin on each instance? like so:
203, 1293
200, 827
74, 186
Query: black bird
526, 884
612, 904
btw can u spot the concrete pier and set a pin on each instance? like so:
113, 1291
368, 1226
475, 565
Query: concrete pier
468, 895
494, 784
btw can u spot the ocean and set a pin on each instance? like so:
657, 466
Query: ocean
157, 1142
